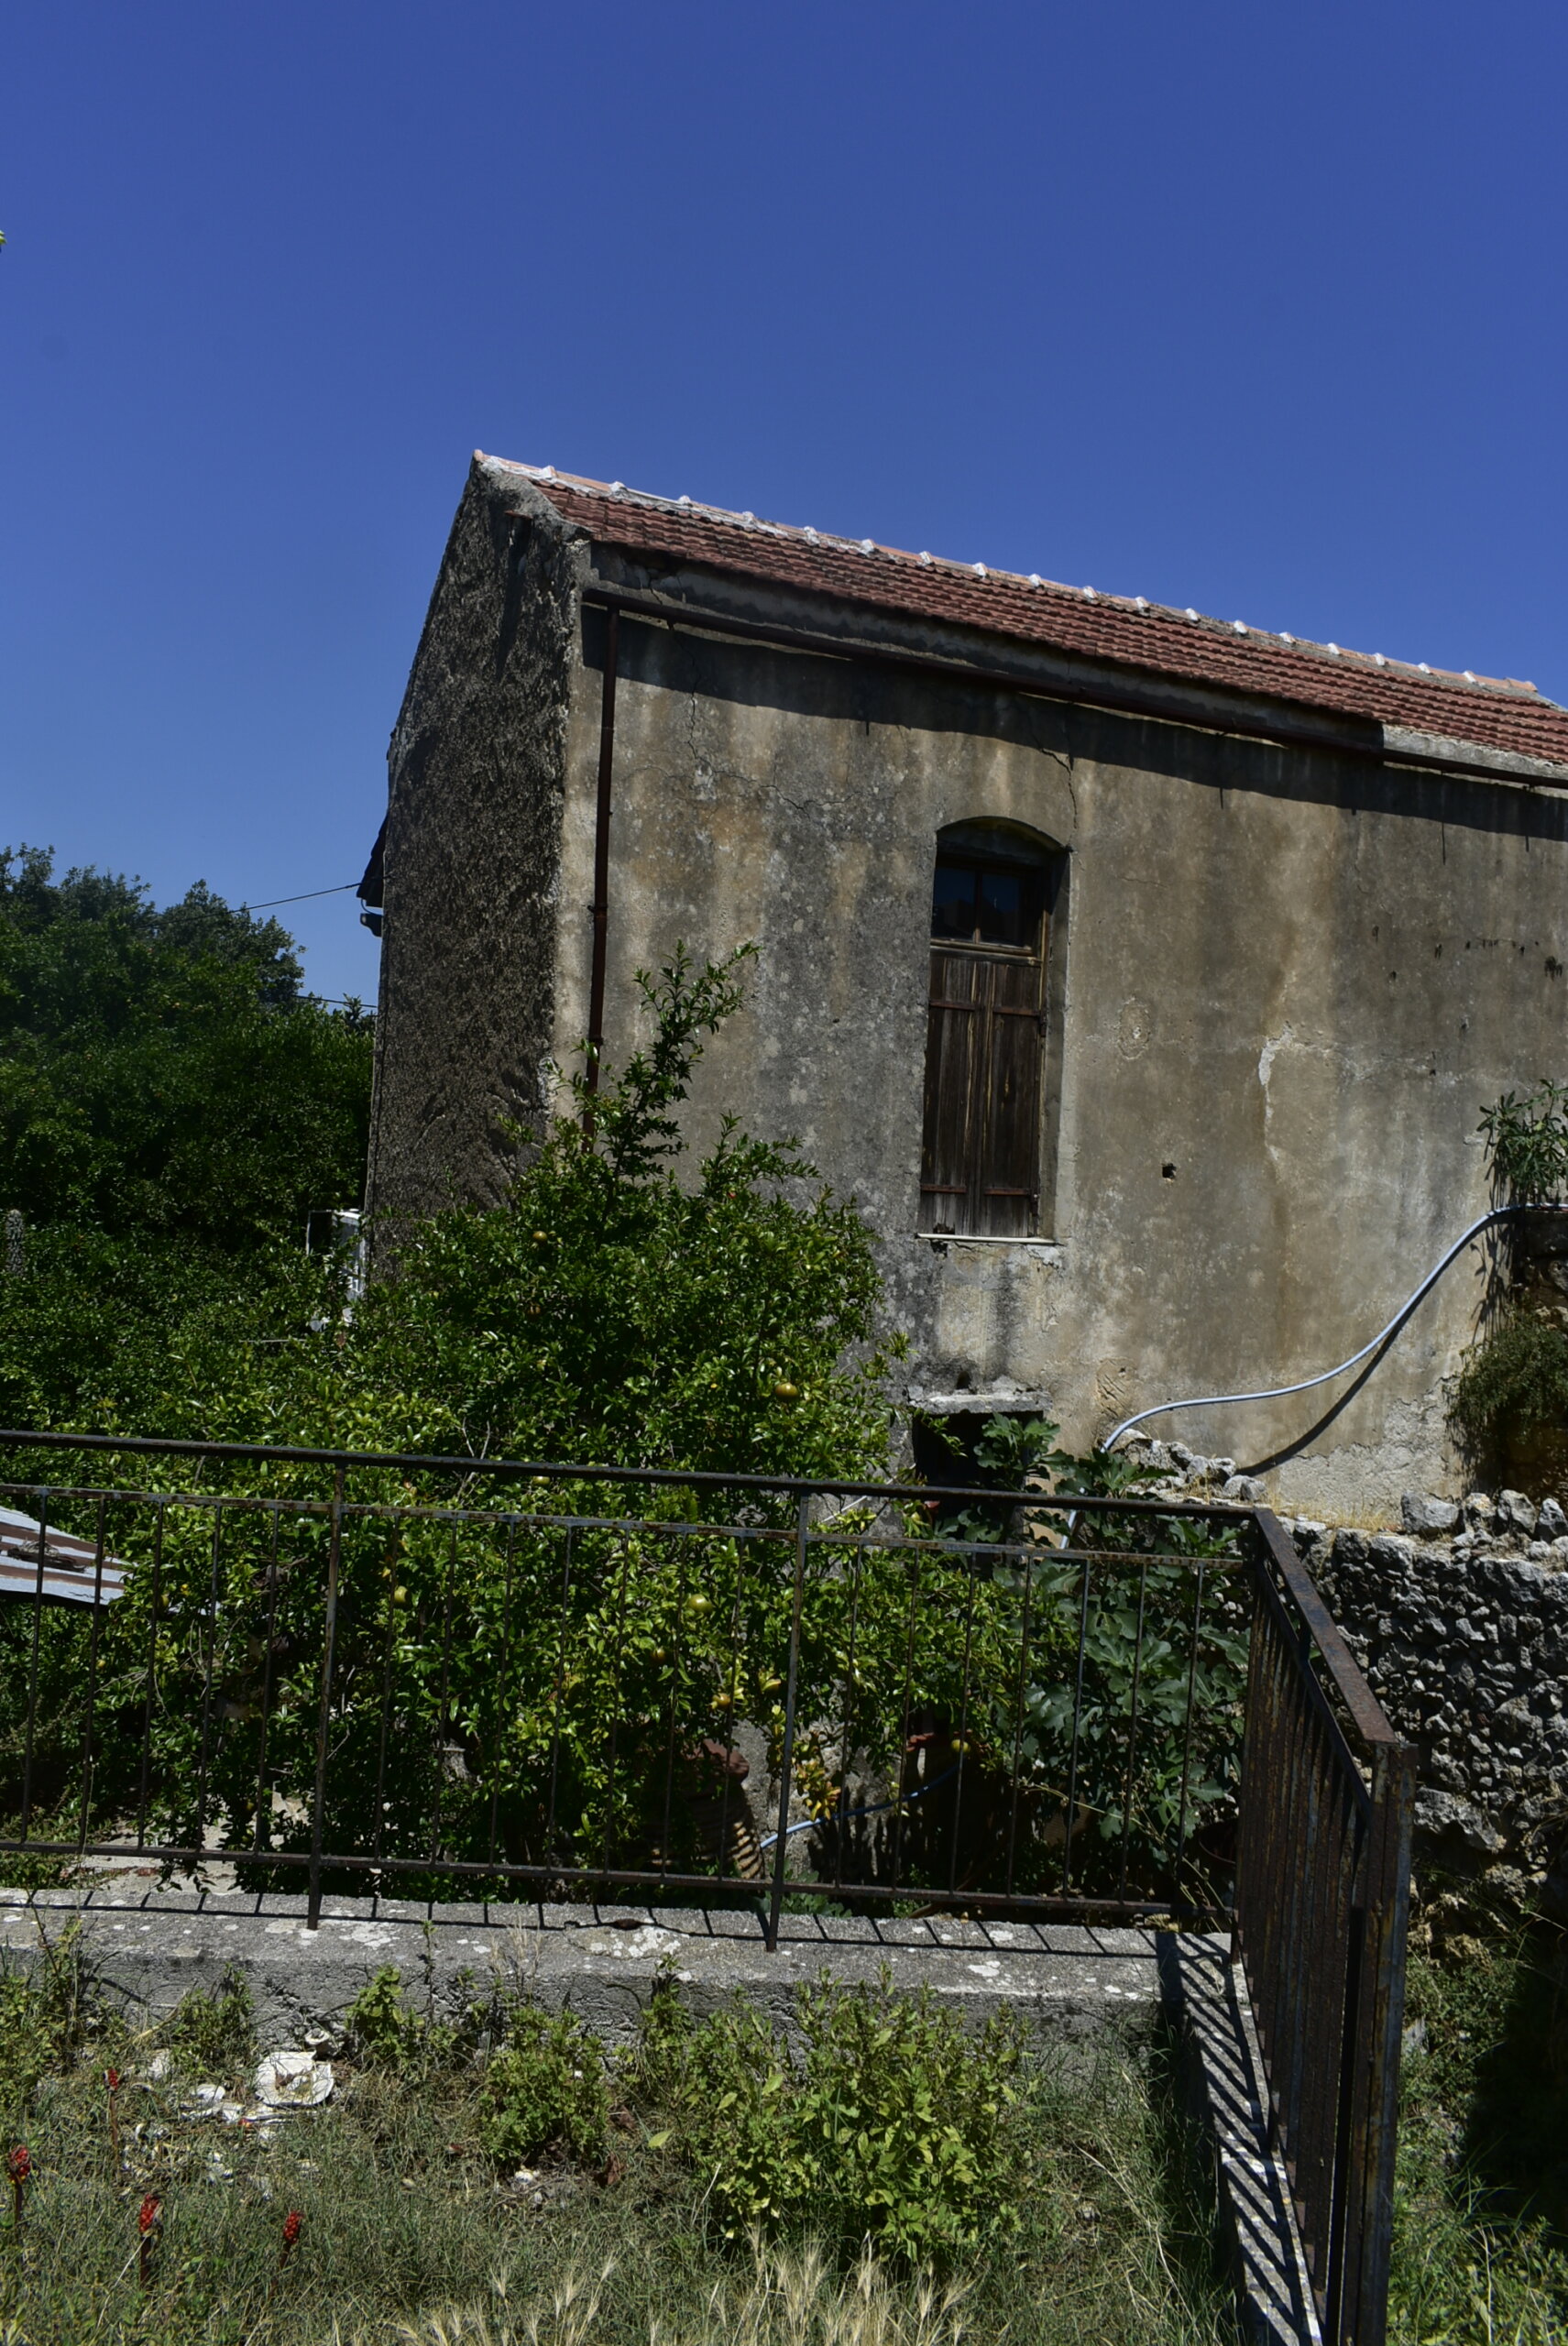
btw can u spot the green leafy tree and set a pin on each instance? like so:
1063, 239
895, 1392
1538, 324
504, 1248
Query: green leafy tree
162, 1076
623, 1307
627, 1308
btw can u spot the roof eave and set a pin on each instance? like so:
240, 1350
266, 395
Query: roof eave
1006, 662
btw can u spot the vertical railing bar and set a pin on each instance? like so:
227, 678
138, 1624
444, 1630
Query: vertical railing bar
324, 1715
1340, 2193
1291, 1886
43, 1499
1018, 1730
1077, 1727
1299, 1948
266, 1676
615, 1700
207, 1675
1307, 2007
732, 1688
1283, 1888
1258, 1839
683, 1551
1321, 2021
389, 1648
1255, 1790
1275, 1896
1133, 1729
900, 1803
89, 1746
1263, 1776
1340, 1836
1376, 2053
441, 1729
568, 1536
857, 1568
963, 1726
1180, 1853
155, 1604
501, 1689
787, 1758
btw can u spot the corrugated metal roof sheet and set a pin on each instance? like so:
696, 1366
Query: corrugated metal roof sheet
57, 1565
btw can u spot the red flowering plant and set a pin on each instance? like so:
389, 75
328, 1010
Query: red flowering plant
149, 2223
18, 2166
293, 2225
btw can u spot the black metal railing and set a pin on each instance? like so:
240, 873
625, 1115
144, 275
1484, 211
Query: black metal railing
347, 1671
1322, 1904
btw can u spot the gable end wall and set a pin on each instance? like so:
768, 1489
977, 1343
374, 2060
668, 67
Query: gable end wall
476, 778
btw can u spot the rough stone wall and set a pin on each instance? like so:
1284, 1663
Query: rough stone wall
472, 860
1464, 1640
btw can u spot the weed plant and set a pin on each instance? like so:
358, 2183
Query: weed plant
546, 2088
889, 2124
213, 2036
1515, 1380
1527, 1142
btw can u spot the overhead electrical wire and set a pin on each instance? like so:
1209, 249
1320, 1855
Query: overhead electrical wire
273, 900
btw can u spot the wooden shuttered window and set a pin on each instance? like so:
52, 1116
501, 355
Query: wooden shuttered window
979, 1164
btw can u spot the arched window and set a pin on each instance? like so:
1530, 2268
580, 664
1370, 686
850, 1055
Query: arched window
980, 1171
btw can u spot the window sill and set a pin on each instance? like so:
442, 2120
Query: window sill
965, 1238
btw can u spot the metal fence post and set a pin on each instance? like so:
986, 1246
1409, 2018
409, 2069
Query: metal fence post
1374, 2094
329, 1639
786, 1762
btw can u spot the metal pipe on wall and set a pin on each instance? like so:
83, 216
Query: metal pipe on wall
601, 859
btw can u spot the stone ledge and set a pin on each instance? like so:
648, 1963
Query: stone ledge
149, 1946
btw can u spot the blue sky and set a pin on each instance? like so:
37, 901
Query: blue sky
1252, 308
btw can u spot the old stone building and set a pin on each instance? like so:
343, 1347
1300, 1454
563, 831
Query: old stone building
1142, 974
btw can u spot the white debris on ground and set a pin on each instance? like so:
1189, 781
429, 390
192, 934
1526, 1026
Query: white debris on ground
293, 2081
283, 2081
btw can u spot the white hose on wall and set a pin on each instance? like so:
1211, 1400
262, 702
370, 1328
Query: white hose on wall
1280, 1392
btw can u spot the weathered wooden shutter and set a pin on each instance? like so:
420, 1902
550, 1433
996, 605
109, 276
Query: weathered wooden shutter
955, 1049
979, 1170
1008, 1169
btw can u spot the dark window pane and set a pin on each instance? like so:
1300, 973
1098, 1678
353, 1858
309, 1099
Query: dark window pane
1002, 908
953, 901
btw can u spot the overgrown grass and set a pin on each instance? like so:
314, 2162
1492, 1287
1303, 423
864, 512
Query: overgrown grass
508, 2179
414, 2228
1481, 2223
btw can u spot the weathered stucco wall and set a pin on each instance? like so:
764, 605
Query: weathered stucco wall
1293, 976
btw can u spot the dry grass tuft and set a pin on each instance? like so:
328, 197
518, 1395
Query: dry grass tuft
791, 2297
